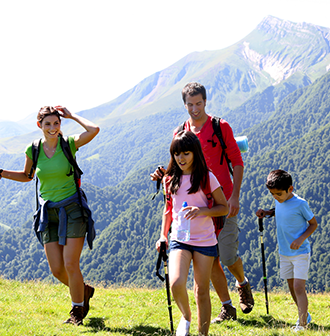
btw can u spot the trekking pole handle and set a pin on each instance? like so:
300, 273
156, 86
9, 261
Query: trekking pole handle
162, 250
261, 227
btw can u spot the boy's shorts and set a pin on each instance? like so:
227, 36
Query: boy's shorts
76, 227
210, 251
228, 242
295, 267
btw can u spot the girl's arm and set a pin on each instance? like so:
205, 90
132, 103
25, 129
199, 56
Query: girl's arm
91, 129
220, 207
19, 176
166, 224
298, 242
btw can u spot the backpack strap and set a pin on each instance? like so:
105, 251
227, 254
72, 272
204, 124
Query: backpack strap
207, 192
77, 172
217, 131
181, 127
68, 154
35, 154
218, 222
168, 197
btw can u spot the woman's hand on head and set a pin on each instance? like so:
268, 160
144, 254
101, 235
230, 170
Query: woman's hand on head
63, 111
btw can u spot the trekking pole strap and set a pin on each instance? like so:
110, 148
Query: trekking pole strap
161, 256
159, 182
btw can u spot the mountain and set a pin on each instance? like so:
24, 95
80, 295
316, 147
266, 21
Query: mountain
269, 55
286, 120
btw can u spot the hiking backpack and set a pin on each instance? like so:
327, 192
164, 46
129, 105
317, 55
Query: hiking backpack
218, 222
217, 131
74, 170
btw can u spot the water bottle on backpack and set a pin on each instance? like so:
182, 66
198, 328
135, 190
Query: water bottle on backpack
183, 234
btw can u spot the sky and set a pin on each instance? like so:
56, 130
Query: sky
81, 54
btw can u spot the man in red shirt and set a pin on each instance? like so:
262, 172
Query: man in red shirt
200, 123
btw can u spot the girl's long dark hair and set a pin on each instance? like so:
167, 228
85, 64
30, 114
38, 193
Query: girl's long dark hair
186, 141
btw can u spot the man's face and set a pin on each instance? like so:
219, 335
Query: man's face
281, 195
195, 106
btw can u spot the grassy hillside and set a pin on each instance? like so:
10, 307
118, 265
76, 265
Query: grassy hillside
36, 308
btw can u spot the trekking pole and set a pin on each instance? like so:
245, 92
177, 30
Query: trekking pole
159, 182
261, 229
162, 256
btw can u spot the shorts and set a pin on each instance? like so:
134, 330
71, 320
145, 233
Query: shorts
228, 242
76, 227
294, 267
210, 251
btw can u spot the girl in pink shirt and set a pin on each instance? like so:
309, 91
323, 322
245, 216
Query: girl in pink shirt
186, 173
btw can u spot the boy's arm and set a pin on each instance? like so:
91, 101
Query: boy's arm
261, 213
312, 227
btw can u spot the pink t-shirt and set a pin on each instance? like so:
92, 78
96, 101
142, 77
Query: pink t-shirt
201, 227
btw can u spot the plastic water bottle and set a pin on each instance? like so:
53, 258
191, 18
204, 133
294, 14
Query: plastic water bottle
183, 234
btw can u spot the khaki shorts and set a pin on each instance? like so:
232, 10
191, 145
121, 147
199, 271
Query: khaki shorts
228, 242
294, 267
76, 227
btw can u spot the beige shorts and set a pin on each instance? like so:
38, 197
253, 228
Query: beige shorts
228, 242
295, 267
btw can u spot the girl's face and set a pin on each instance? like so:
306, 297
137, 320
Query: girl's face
185, 161
51, 126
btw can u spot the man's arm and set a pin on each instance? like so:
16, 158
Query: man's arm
233, 201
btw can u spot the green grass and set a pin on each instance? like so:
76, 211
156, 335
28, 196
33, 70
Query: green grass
38, 308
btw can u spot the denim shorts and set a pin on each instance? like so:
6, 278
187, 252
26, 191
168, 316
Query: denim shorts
210, 251
76, 227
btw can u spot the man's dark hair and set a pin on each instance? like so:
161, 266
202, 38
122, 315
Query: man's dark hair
279, 179
193, 89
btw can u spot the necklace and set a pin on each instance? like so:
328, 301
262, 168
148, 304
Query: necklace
50, 151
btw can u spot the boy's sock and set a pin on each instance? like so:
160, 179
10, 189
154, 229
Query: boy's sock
81, 304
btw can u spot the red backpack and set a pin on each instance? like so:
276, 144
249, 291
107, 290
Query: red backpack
217, 221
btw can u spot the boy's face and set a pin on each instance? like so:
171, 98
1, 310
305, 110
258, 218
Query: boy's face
282, 195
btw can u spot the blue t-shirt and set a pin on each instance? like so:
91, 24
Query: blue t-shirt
291, 221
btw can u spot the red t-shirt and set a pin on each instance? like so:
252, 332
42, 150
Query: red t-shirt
212, 154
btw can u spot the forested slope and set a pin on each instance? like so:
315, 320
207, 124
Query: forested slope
294, 137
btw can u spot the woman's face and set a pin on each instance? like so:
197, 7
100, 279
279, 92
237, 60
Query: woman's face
184, 160
51, 126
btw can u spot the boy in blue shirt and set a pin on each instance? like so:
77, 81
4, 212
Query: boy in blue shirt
292, 214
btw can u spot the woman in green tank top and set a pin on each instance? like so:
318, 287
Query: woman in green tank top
57, 189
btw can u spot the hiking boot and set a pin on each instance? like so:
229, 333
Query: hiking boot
246, 300
76, 316
228, 312
88, 294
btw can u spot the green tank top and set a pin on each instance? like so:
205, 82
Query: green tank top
55, 185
